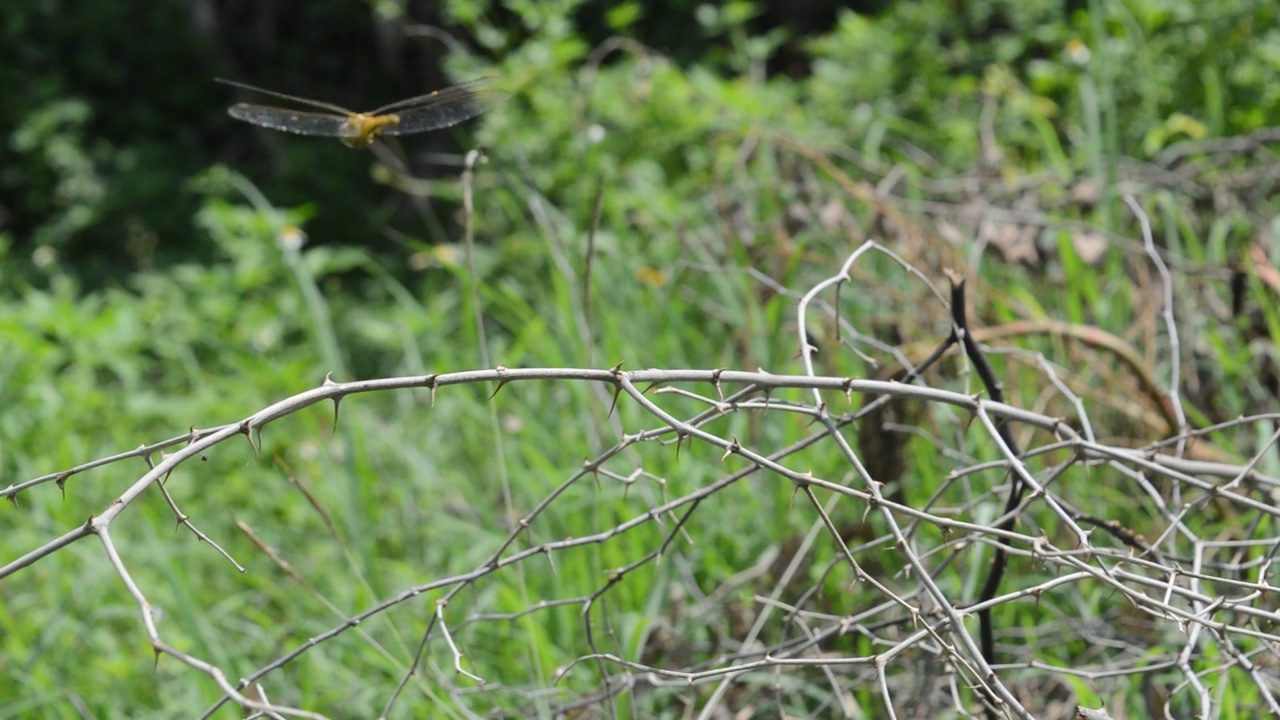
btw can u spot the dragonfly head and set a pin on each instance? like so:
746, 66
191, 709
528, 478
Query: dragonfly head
360, 128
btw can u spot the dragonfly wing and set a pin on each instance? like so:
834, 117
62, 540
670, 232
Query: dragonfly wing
281, 96
434, 117
470, 87
294, 121
440, 109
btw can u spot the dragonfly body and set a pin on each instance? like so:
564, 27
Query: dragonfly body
433, 111
359, 129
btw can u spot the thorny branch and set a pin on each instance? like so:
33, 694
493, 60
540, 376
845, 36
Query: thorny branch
898, 632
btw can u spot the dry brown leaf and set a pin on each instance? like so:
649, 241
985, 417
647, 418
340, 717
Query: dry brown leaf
1090, 246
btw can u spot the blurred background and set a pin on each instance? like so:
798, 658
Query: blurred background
164, 266
111, 112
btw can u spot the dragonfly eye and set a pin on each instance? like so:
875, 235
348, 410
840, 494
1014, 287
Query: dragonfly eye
354, 126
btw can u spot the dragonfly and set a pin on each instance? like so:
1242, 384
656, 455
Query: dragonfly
433, 111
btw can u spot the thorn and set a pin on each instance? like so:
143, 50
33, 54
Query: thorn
715, 381
501, 383
617, 390
617, 386
61, 482
432, 382
328, 382
249, 433
734, 447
